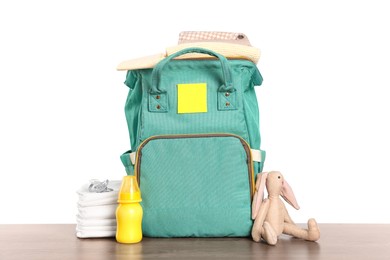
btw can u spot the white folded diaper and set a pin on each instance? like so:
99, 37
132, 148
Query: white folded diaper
98, 212
94, 222
107, 201
107, 228
91, 233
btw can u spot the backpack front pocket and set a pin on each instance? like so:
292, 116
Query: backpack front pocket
195, 185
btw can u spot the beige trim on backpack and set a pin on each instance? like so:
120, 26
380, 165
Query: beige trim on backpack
256, 155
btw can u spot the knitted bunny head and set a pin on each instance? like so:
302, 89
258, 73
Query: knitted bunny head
276, 185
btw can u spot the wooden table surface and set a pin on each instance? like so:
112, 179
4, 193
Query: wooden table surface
55, 242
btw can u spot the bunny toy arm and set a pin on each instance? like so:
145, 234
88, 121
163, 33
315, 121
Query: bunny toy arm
257, 229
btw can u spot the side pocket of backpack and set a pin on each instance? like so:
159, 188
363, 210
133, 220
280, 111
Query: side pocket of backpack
127, 162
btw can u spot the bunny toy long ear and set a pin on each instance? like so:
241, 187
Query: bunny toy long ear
288, 195
259, 194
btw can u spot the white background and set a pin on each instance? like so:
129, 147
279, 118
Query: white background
324, 101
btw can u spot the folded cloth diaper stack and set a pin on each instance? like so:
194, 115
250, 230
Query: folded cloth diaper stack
96, 209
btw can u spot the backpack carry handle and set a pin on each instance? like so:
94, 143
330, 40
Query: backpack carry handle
227, 75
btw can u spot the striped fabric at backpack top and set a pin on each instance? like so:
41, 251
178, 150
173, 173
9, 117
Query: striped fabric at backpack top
195, 36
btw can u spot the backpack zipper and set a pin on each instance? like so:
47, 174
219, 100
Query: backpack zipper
246, 146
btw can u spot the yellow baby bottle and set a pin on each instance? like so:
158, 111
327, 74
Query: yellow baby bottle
129, 212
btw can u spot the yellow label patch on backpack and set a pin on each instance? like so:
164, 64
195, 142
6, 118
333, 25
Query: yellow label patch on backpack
192, 98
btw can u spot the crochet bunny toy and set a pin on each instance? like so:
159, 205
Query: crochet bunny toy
271, 216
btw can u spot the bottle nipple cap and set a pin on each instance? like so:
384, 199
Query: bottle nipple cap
129, 191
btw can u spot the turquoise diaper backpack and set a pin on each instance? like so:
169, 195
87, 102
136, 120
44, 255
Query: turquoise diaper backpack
194, 130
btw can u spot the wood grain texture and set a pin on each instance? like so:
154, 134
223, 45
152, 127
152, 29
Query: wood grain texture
338, 241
